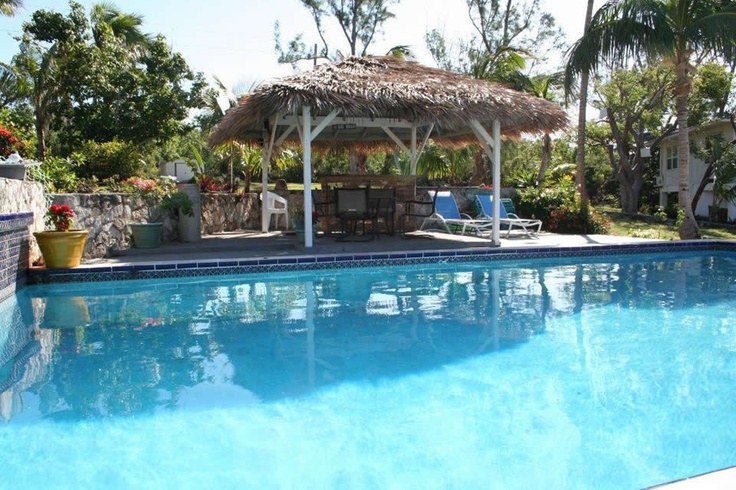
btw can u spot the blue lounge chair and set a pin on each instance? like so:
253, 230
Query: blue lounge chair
484, 205
447, 217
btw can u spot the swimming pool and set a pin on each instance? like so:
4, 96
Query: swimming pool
612, 372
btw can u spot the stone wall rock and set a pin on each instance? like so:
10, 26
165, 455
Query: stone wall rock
23, 196
222, 212
108, 216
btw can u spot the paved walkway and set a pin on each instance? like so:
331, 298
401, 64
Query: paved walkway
252, 244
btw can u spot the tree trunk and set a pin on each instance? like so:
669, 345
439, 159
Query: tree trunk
479, 170
40, 124
630, 183
580, 160
546, 155
683, 85
701, 187
358, 160
629, 173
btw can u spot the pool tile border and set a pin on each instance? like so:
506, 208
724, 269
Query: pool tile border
217, 267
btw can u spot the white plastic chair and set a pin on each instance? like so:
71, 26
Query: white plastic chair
276, 206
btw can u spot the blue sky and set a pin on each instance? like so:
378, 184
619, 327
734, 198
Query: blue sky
233, 39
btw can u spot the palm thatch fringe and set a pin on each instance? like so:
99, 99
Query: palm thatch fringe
374, 87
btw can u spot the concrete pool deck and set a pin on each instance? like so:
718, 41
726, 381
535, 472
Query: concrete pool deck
253, 244
253, 251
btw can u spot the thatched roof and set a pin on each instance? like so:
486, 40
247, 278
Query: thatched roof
387, 87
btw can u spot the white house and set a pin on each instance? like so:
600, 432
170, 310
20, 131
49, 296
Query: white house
179, 169
669, 173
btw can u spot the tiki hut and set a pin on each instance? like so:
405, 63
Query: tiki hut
373, 102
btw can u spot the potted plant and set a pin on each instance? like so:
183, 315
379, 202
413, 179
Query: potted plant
161, 195
189, 223
62, 247
298, 220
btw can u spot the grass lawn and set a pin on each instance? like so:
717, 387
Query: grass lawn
644, 226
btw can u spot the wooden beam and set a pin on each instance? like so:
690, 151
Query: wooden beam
285, 134
360, 122
396, 140
323, 124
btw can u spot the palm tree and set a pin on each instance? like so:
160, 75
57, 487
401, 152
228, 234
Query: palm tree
580, 157
543, 86
8, 8
670, 30
126, 27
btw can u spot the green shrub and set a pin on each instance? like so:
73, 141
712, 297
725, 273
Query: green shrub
537, 203
577, 219
113, 159
560, 209
58, 175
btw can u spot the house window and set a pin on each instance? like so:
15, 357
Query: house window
671, 158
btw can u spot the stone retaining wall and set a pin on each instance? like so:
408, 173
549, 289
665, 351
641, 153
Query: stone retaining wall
223, 212
107, 216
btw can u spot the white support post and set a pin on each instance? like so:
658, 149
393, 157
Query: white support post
264, 181
307, 145
492, 148
496, 180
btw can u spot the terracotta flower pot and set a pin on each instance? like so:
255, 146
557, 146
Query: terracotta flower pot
61, 249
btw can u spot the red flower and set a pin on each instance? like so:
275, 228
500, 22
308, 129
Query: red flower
60, 215
7, 142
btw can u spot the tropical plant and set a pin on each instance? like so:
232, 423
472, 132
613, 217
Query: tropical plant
582, 108
682, 33
8, 8
57, 175
178, 201
96, 81
11, 88
107, 18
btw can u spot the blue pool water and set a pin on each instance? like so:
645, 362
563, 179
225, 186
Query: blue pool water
580, 373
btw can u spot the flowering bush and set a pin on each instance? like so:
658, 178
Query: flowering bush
150, 189
534, 201
207, 183
60, 216
574, 219
7, 142
161, 191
